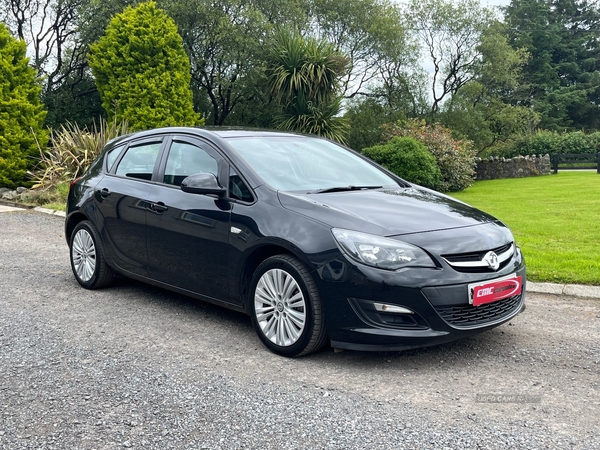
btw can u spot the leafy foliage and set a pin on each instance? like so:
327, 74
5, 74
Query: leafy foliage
72, 150
552, 143
226, 41
455, 158
142, 70
562, 75
76, 100
482, 110
373, 34
409, 159
304, 77
365, 118
21, 112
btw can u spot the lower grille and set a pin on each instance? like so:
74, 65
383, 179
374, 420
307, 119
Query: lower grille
467, 316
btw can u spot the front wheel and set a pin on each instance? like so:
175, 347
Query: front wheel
87, 258
286, 309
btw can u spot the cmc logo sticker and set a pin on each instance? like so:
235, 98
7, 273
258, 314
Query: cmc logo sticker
480, 294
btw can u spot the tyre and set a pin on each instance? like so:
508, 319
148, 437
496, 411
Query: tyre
286, 309
87, 258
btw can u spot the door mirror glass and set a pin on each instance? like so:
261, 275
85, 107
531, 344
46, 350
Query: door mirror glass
202, 183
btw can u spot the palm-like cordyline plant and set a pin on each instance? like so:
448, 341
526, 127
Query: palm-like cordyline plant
304, 76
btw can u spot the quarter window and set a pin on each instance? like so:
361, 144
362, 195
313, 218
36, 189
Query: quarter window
238, 189
112, 156
138, 161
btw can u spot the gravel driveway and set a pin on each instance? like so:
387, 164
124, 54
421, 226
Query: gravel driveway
134, 366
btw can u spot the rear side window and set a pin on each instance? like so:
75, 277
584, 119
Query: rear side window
138, 161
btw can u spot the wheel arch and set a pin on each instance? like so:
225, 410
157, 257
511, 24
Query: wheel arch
255, 258
72, 222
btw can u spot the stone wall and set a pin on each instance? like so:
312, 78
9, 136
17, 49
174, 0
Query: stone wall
519, 167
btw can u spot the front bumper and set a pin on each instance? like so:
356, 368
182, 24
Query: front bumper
438, 312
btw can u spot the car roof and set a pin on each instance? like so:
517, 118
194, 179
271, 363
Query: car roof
233, 132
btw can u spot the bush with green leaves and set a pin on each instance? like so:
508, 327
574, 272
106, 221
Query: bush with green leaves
409, 159
455, 158
71, 151
142, 71
552, 143
21, 112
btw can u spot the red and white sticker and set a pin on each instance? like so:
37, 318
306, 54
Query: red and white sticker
493, 291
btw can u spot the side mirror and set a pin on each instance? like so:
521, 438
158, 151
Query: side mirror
202, 183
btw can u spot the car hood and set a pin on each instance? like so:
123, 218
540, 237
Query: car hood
386, 212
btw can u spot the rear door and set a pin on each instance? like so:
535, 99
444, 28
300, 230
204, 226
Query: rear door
122, 199
188, 234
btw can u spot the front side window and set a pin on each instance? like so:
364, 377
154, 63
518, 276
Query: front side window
186, 159
138, 161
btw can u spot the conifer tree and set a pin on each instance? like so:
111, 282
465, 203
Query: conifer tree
142, 71
21, 111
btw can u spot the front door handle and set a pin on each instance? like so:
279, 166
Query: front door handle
104, 192
159, 207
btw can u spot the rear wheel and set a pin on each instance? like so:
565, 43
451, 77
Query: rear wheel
87, 258
287, 313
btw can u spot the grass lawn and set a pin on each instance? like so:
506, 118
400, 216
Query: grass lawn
555, 220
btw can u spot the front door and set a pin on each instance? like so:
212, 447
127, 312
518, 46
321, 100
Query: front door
188, 234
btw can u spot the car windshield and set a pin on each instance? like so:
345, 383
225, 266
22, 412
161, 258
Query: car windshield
290, 163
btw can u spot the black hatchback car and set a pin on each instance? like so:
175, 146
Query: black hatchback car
315, 242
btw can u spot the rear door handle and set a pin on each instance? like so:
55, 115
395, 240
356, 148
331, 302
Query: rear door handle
104, 192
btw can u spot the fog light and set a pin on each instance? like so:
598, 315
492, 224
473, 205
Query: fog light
391, 308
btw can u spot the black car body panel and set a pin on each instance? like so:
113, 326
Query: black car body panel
208, 246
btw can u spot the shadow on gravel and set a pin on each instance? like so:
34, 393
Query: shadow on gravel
178, 303
496, 342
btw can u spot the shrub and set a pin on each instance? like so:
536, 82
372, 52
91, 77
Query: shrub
142, 71
455, 158
409, 159
21, 112
71, 152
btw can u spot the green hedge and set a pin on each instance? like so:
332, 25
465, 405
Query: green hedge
409, 159
552, 143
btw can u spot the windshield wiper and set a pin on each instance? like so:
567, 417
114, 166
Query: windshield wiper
343, 188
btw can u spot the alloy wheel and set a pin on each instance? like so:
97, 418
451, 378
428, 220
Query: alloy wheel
83, 253
280, 307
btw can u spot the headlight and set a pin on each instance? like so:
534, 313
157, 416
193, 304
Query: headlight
380, 252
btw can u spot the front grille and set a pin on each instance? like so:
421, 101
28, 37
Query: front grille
467, 316
473, 261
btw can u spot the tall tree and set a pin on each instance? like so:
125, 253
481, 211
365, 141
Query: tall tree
21, 112
49, 27
226, 41
563, 73
486, 109
372, 34
142, 70
450, 33
52, 31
